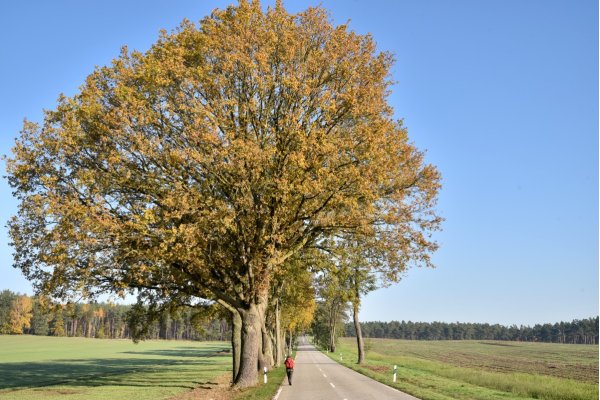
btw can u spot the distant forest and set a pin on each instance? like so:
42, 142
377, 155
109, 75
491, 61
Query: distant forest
21, 314
583, 331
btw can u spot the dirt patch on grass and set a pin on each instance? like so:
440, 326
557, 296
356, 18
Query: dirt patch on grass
498, 344
68, 391
378, 368
56, 392
215, 389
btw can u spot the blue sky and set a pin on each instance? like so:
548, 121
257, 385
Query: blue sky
502, 95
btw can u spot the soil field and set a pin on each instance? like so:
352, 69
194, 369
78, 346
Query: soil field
480, 369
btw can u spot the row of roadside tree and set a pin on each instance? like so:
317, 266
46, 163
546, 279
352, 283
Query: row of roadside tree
234, 164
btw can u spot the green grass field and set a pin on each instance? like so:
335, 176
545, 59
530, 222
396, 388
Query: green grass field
438, 370
35, 367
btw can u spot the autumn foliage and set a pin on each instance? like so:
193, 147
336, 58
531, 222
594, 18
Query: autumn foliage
196, 170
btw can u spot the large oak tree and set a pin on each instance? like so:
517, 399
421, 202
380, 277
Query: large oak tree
196, 169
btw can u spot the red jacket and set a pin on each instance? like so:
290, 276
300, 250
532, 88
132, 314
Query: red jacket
289, 363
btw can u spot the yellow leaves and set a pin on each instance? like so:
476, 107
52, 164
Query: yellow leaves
20, 314
99, 313
298, 298
149, 216
231, 144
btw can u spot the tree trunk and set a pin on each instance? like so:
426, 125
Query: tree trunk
261, 357
267, 348
331, 327
278, 343
273, 345
252, 323
236, 339
359, 339
332, 339
236, 342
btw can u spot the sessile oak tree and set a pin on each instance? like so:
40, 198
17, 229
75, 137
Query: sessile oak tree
196, 169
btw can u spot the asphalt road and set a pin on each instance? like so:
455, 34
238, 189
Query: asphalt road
317, 377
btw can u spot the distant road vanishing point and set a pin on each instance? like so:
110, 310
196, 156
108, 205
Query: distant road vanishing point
317, 377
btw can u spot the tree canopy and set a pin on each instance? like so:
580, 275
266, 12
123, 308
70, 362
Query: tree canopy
196, 169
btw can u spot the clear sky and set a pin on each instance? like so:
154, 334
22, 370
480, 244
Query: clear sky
502, 94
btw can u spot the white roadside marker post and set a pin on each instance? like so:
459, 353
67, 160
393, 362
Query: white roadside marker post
341, 357
394, 374
265, 375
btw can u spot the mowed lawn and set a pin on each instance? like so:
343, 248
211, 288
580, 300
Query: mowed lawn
438, 370
36, 367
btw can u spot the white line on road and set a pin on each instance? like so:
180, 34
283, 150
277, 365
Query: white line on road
279, 392
332, 385
325, 375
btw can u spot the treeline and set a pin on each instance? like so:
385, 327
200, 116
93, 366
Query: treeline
583, 331
22, 314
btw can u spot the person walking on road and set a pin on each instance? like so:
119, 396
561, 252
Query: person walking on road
289, 367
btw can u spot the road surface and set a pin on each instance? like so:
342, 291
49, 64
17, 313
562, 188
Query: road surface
317, 377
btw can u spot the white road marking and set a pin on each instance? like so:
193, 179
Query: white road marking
324, 375
332, 385
279, 392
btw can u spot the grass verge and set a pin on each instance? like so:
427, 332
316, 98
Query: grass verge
262, 391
